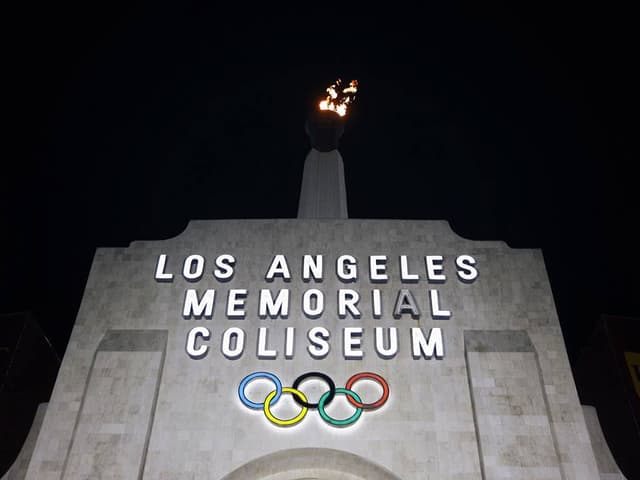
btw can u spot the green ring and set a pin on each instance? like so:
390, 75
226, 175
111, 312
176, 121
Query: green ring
333, 421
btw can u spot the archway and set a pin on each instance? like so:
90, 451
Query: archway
311, 464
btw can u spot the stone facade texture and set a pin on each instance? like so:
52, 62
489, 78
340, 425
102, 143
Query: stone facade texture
130, 403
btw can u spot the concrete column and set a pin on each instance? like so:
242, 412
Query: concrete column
323, 193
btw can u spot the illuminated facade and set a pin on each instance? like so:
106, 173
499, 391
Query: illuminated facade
318, 347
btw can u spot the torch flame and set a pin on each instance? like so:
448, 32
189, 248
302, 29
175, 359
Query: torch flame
339, 99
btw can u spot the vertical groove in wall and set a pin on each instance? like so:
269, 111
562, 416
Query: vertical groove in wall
506, 396
554, 435
475, 417
152, 416
78, 415
124, 341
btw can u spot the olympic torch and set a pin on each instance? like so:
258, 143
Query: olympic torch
323, 193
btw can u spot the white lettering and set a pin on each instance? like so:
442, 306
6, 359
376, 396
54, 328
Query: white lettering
405, 276
308, 308
436, 311
392, 350
225, 267
196, 308
347, 269
289, 342
278, 267
348, 300
377, 268
192, 350
161, 275
233, 342
235, 303
312, 267
466, 270
273, 308
422, 347
193, 267
263, 351
319, 347
352, 337
434, 267
376, 303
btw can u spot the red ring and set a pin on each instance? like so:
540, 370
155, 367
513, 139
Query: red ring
374, 376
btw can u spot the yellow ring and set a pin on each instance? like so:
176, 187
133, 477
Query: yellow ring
291, 421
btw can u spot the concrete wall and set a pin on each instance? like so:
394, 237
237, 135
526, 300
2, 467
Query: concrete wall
484, 411
19, 468
607, 465
515, 436
118, 406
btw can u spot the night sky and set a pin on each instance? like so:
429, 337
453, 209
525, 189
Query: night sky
512, 124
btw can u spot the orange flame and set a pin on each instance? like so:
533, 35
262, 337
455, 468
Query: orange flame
338, 100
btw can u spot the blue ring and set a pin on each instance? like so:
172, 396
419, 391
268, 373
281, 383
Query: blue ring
252, 376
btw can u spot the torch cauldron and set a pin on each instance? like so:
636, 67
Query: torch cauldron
324, 129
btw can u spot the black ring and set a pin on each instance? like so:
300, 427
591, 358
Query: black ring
303, 377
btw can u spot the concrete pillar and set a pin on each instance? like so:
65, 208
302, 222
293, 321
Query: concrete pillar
323, 193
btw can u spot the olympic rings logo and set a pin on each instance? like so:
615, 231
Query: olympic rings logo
325, 399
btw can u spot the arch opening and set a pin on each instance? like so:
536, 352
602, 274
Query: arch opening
311, 464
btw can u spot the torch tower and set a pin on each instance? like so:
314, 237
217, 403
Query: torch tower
323, 193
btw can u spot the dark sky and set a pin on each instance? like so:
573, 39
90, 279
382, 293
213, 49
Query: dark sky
512, 124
